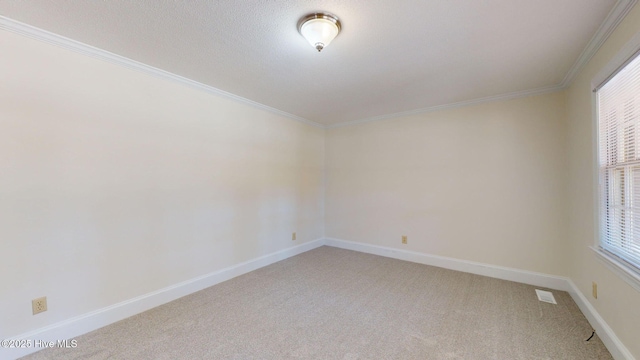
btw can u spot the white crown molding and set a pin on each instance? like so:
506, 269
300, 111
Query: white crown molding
501, 97
613, 19
76, 46
611, 22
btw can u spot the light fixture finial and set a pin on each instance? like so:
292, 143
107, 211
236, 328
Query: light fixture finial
319, 29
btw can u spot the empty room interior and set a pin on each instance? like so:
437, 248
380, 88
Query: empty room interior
320, 179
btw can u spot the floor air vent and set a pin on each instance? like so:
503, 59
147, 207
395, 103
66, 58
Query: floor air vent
546, 296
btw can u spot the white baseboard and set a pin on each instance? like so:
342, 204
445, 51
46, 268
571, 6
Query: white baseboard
83, 324
498, 272
606, 334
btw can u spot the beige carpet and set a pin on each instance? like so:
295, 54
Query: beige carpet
331, 303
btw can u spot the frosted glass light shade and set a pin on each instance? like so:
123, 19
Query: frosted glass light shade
319, 29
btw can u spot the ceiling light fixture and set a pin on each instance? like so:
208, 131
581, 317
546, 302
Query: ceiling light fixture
319, 29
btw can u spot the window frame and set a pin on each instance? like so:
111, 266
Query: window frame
627, 271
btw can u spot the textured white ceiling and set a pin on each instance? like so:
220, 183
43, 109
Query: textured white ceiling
391, 56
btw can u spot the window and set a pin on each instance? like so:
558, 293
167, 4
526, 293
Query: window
618, 101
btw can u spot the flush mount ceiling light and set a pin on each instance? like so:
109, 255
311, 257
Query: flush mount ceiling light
319, 29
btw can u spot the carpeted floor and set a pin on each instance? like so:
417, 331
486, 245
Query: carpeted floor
330, 303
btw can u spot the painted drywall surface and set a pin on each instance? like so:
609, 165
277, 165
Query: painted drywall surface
484, 183
114, 184
618, 303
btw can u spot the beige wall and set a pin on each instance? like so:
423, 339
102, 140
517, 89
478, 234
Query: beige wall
114, 183
618, 303
484, 183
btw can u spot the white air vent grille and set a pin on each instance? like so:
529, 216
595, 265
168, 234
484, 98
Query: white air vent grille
546, 296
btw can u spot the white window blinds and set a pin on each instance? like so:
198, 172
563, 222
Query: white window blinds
619, 159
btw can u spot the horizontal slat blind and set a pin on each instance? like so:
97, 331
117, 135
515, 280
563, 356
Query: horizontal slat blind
619, 158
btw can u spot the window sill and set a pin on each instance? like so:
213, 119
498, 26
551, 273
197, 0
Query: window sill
630, 276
